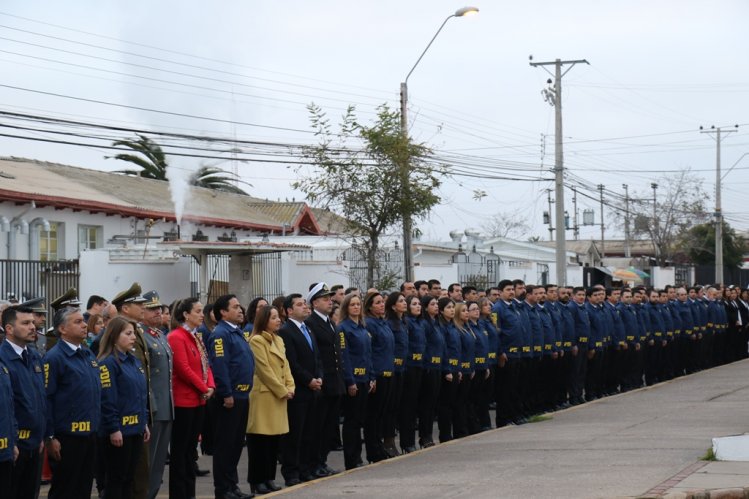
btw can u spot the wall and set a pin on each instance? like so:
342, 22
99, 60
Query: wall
100, 276
661, 276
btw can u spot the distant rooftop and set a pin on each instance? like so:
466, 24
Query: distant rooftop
62, 186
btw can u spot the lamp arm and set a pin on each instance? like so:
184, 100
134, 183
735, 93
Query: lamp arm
429, 45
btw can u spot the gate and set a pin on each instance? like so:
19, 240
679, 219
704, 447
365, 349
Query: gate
26, 279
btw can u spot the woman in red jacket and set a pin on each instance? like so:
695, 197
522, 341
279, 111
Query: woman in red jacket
192, 385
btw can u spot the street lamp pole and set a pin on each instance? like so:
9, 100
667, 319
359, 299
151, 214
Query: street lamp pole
404, 168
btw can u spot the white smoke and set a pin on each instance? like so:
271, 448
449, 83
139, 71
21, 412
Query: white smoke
180, 175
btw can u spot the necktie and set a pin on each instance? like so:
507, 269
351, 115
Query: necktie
305, 332
25, 358
330, 325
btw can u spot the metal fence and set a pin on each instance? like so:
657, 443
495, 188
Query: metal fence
388, 268
26, 279
705, 274
475, 269
266, 275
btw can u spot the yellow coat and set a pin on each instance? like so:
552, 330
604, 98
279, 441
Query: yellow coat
272, 381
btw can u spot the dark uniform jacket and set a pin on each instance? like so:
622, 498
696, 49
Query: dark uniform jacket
328, 341
30, 400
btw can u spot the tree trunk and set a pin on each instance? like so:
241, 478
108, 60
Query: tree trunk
372, 247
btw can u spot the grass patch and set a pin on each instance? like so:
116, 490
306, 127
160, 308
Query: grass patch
709, 455
539, 418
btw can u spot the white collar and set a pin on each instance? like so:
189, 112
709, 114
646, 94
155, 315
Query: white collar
322, 316
75, 348
16, 348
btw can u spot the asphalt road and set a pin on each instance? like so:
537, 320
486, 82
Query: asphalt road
618, 446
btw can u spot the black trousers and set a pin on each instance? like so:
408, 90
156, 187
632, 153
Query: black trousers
120, 465
26, 474
482, 389
428, 396
327, 413
593, 376
6, 474
393, 413
409, 402
262, 454
228, 442
578, 374
73, 475
446, 408
297, 446
463, 413
380, 401
188, 422
354, 416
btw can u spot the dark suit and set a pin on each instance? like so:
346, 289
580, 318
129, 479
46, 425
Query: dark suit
333, 388
298, 456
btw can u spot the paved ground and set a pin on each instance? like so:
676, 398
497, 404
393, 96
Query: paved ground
620, 446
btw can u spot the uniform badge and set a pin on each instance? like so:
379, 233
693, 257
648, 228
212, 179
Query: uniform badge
141, 370
37, 369
5, 370
94, 364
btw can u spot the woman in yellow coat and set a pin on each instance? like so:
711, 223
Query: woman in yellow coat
272, 387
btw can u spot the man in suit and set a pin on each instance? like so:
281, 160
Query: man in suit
298, 454
333, 388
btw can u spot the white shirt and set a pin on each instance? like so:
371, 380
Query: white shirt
17, 349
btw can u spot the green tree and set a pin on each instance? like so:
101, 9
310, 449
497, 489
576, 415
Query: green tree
356, 174
700, 241
149, 157
153, 163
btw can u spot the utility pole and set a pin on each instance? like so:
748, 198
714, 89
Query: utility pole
656, 248
718, 211
603, 250
554, 97
576, 228
551, 224
627, 250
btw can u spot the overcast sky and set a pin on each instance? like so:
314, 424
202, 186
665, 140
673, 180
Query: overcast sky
658, 71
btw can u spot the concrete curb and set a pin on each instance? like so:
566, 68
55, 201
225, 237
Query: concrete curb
702, 494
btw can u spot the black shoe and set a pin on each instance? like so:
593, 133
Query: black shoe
260, 489
293, 481
320, 472
272, 486
409, 449
242, 495
330, 470
307, 477
233, 494
338, 447
199, 472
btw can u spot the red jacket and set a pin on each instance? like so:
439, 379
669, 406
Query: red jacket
187, 376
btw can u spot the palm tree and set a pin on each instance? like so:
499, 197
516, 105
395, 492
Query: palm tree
212, 177
153, 164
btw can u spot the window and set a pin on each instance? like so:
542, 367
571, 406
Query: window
89, 237
50, 244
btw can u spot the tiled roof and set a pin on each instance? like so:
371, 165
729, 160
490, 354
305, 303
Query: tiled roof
79, 188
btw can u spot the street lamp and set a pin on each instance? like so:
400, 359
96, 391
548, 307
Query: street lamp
404, 168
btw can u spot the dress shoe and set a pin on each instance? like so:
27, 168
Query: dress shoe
330, 470
409, 449
272, 486
293, 481
242, 495
199, 472
260, 489
307, 477
320, 472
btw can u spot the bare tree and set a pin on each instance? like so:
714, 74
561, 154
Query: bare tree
679, 206
512, 225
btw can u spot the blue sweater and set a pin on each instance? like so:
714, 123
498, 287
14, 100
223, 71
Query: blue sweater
417, 342
383, 346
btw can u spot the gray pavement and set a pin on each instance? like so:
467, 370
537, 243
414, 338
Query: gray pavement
624, 445
621, 446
